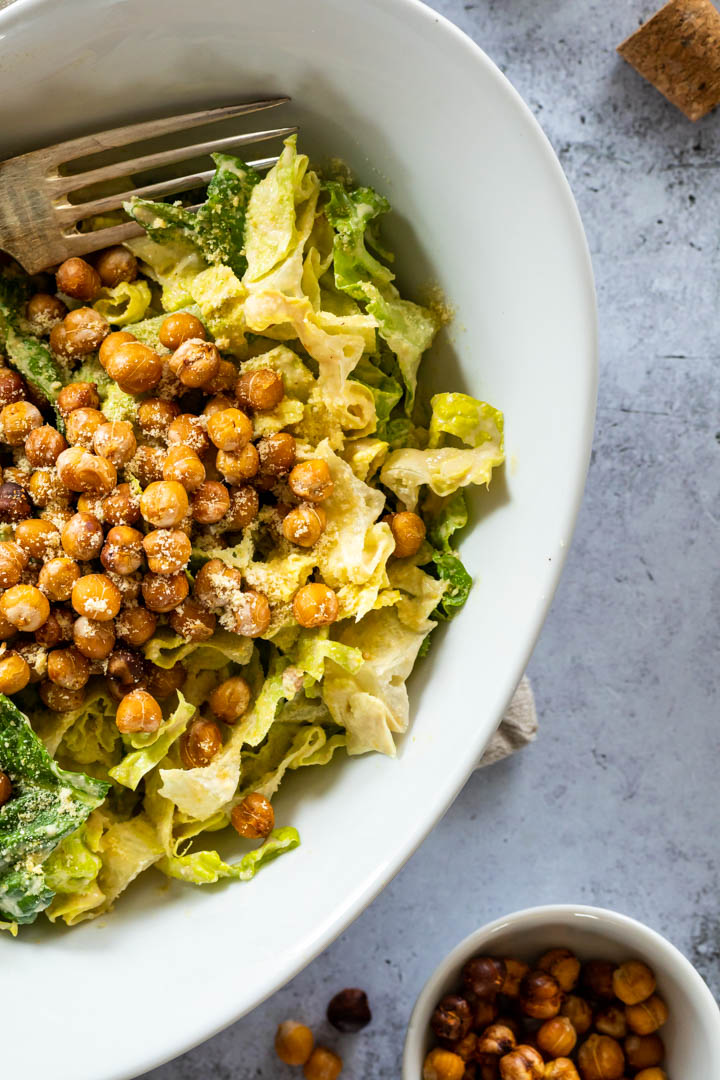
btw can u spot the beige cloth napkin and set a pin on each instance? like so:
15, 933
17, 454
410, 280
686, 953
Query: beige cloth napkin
518, 727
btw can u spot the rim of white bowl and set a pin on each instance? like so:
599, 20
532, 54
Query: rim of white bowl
454, 781
527, 918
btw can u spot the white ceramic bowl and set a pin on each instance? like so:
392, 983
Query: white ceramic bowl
482, 209
692, 1033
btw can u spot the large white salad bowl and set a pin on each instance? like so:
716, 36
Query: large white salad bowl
483, 211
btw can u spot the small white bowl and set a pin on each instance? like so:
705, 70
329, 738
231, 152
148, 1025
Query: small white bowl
692, 1033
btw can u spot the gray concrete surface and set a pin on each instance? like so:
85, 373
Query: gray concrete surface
618, 801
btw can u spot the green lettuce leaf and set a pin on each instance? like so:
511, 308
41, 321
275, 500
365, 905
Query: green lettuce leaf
459, 583
47, 804
386, 391
134, 766
206, 867
473, 421
444, 517
30, 356
74, 864
407, 328
125, 303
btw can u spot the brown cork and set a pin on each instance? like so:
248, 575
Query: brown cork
678, 51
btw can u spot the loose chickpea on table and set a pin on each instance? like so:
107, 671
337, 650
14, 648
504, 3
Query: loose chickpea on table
558, 1020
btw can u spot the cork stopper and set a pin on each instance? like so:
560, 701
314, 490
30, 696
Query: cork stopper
678, 51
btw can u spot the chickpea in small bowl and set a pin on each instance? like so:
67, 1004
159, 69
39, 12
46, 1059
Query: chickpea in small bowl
564, 993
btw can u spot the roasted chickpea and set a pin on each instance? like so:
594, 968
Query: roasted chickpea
556, 1037
77, 395
114, 440
81, 332
184, 466
191, 621
162, 682
633, 982
322, 1064
230, 429
78, 279
134, 367
179, 327
610, 1020
311, 480
147, 465
116, 264
14, 677
486, 1011
408, 531
96, 596
244, 506
13, 560
167, 550
210, 503
560, 1069
644, 1051
155, 416
139, 711
123, 550
497, 1039
443, 1065
315, 605
25, 607
95, 640
293, 1042
164, 503
601, 1058
82, 537
187, 430
540, 995
57, 627
217, 403
259, 390
304, 525
254, 817
277, 454
46, 489
112, 343
43, 445
515, 972
230, 700
7, 630
200, 743
81, 470
12, 387
195, 362
126, 668
647, 1016
121, 506
44, 311
223, 379
451, 1018
562, 964
135, 625
14, 505
216, 584
597, 978
17, 420
57, 578
522, 1063
68, 668
81, 425
651, 1074
238, 467
251, 611
483, 975
163, 592
59, 699
466, 1048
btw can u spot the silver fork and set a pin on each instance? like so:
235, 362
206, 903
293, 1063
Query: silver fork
38, 223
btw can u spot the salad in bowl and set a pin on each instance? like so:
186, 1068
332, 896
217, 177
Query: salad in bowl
228, 530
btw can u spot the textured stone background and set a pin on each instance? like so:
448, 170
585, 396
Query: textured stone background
618, 801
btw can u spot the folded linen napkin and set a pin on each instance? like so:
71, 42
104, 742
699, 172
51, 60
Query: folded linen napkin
517, 728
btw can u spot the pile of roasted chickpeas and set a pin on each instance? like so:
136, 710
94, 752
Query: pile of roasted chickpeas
556, 1020
348, 1012
104, 516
